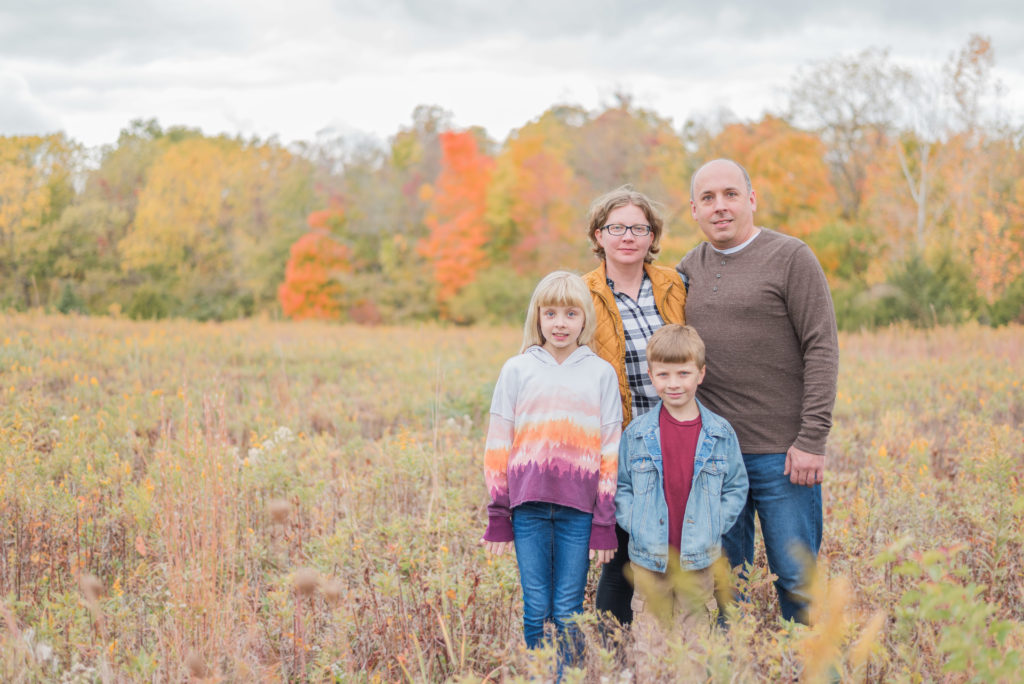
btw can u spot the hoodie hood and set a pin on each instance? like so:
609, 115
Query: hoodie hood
544, 357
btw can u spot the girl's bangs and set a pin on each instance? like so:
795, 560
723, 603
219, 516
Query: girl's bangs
560, 293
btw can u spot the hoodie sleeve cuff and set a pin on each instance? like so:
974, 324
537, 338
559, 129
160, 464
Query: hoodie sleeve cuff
499, 529
603, 537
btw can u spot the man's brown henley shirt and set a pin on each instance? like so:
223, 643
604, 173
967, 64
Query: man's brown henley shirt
766, 316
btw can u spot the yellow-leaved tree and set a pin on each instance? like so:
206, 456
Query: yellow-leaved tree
35, 186
215, 220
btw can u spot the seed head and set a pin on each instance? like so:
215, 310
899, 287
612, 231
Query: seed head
91, 586
279, 510
305, 581
195, 665
332, 591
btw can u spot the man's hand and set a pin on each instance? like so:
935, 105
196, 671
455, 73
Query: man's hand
804, 468
497, 548
603, 555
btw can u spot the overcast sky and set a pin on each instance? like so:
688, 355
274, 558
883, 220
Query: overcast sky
290, 68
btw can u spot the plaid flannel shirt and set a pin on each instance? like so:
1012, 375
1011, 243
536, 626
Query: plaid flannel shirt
640, 319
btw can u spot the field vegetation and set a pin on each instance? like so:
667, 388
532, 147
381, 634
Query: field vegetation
260, 501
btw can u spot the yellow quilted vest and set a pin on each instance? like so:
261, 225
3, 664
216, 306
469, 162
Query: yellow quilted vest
609, 339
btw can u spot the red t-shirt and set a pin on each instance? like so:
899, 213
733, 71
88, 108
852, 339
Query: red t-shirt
678, 451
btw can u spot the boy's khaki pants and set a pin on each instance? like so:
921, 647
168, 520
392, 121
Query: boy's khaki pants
682, 600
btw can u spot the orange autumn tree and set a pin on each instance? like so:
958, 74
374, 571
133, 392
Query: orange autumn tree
628, 144
985, 181
330, 219
789, 173
534, 200
795, 194
455, 245
311, 287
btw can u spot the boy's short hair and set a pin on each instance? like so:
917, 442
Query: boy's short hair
674, 343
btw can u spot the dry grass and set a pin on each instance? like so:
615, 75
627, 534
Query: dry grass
257, 502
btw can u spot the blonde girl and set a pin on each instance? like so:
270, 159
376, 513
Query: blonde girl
552, 457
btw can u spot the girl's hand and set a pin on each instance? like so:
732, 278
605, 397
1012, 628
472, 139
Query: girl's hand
496, 548
603, 555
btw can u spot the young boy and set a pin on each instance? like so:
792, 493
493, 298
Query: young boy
681, 485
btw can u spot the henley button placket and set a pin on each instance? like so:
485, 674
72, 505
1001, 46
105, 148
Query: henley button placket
718, 275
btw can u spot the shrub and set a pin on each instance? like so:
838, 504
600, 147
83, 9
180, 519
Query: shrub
928, 292
498, 295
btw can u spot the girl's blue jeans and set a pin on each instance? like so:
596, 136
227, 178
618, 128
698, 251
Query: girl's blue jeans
552, 547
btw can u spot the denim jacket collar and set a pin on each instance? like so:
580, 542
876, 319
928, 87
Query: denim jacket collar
647, 427
712, 427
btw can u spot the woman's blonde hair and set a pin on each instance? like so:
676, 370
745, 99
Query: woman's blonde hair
621, 197
560, 288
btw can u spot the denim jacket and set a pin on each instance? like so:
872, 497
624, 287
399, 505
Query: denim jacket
717, 496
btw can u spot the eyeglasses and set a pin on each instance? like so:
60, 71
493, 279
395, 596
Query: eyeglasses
617, 229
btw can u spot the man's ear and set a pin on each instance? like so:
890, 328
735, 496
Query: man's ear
700, 378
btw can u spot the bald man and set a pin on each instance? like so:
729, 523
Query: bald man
760, 301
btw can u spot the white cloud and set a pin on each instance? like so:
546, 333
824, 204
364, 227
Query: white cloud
265, 67
22, 113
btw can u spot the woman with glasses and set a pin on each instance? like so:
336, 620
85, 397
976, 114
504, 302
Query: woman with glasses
632, 298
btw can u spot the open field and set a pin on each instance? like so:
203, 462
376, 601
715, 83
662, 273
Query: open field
256, 501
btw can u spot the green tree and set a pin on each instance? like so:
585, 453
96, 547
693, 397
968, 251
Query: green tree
36, 185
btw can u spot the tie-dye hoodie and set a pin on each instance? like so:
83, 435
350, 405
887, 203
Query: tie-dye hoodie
554, 437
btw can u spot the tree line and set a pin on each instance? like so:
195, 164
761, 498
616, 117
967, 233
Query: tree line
908, 183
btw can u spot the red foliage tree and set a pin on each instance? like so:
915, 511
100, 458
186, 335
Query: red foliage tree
458, 234
331, 218
311, 288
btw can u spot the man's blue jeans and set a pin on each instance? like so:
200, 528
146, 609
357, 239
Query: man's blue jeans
791, 521
552, 548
